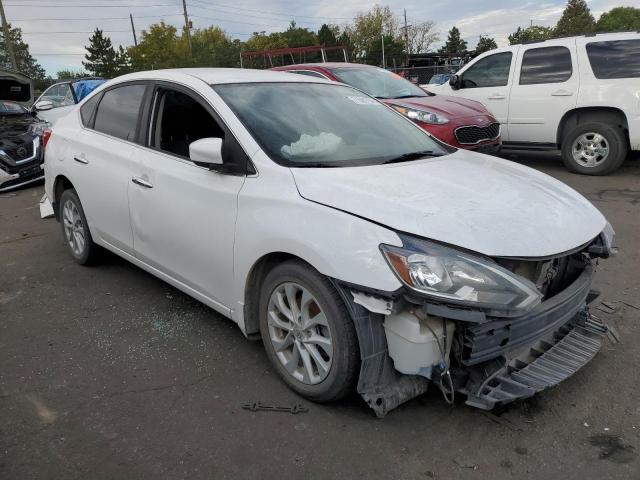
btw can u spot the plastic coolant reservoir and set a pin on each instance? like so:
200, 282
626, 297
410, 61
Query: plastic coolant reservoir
412, 346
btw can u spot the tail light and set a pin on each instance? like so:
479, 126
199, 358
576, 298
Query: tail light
46, 135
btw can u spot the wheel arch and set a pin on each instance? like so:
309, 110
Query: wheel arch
576, 116
261, 267
60, 184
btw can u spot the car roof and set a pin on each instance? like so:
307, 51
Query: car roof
217, 76
326, 65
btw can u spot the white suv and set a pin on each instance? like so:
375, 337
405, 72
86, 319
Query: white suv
579, 94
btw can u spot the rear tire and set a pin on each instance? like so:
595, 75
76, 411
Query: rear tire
594, 148
308, 333
75, 229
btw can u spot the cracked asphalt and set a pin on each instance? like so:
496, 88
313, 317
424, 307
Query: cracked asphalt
107, 372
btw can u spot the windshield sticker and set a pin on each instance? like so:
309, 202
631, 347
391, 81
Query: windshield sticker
363, 100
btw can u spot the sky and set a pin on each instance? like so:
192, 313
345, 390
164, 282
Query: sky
57, 30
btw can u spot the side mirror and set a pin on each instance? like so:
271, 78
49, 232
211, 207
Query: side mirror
454, 82
43, 105
206, 152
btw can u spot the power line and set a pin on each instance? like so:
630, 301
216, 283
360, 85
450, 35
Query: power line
91, 5
95, 18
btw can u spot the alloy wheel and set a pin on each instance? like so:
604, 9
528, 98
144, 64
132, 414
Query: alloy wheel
73, 228
590, 149
299, 333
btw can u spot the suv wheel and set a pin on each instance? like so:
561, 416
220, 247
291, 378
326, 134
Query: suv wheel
308, 333
76, 229
594, 149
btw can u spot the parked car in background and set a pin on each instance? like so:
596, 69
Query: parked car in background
365, 253
59, 98
440, 78
457, 122
578, 94
20, 131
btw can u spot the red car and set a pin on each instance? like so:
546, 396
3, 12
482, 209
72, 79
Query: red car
457, 121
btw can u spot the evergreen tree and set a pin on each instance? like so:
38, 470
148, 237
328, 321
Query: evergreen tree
455, 44
485, 44
101, 58
575, 20
327, 35
27, 65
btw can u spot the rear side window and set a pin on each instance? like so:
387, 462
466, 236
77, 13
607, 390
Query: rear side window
86, 110
119, 110
491, 71
615, 59
546, 65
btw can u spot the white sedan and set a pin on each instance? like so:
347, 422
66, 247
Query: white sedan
364, 253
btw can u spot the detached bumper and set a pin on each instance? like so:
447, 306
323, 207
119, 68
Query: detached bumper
31, 174
544, 365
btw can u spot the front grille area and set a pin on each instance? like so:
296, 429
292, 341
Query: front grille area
474, 134
21, 151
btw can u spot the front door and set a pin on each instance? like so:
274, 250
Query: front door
183, 215
489, 81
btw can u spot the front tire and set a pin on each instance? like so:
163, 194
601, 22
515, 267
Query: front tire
75, 229
308, 333
594, 148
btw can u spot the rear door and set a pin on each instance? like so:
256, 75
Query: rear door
488, 81
103, 163
183, 215
544, 89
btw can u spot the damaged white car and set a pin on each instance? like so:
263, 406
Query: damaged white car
363, 252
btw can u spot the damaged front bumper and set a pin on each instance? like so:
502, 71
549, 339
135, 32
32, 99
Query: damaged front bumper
493, 361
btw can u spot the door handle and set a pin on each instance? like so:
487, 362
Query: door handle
81, 159
496, 96
142, 182
561, 93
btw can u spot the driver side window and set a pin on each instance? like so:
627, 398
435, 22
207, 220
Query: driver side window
181, 120
491, 71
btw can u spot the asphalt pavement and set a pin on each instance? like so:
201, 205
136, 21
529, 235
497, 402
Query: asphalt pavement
107, 372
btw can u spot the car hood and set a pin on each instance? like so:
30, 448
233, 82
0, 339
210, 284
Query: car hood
452, 107
481, 203
15, 87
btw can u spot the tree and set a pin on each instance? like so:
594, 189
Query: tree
485, 44
27, 65
619, 19
299, 37
71, 74
422, 36
575, 20
102, 60
328, 35
213, 48
532, 33
365, 34
455, 44
160, 47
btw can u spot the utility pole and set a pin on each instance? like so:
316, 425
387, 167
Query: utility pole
133, 29
406, 36
186, 25
7, 39
384, 63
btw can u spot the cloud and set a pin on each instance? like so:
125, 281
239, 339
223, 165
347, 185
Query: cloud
55, 51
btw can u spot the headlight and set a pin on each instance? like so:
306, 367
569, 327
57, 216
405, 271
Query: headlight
422, 115
457, 277
37, 129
